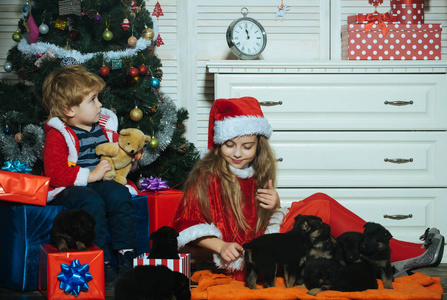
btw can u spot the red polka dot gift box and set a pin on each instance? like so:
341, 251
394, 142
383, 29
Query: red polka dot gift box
397, 42
408, 11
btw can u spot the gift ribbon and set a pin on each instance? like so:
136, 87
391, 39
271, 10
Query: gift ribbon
372, 18
154, 184
16, 166
74, 277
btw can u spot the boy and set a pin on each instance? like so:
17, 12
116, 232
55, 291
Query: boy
77, 123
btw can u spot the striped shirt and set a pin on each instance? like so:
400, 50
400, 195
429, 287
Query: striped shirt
88, 140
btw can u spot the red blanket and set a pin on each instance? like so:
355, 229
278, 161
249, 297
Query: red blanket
217, 286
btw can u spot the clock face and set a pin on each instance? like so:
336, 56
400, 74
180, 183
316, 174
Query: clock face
246, 38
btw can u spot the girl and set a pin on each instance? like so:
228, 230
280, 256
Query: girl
230, 197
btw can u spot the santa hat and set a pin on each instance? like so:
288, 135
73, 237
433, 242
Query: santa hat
230, 118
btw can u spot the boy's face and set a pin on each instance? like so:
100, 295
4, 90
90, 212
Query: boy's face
85, 114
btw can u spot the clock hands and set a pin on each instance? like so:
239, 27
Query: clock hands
248, 36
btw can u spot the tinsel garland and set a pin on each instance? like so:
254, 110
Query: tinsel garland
24, 152
166, 130
40, 48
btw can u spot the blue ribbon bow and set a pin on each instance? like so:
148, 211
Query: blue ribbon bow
17, 166
74, 277
154, 184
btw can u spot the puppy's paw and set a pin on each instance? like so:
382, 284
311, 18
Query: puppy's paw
63, 249
314, 292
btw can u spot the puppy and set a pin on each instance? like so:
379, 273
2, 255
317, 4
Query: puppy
346, 272
73, 229
322, 244
152, 283
347, 249
320, 274
164, 243
375, 248
289, 249
355, 273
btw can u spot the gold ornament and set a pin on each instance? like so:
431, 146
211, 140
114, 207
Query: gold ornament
153, 143
107, 35
136, 114
148, 34
61, 23
17, 36
18, 137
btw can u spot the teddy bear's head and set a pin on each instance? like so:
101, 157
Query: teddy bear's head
132, 140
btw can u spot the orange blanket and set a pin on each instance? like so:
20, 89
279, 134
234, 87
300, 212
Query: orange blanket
218, 286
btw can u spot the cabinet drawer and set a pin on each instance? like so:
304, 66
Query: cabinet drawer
361, 159
344, 101
427, 207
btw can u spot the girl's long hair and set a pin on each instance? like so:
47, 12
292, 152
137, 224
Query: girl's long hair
212, 165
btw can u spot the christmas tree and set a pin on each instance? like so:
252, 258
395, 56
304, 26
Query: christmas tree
114, 38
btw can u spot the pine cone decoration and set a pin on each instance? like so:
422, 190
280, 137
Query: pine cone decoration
151, 51
91, 13
127, 2
158, 74
182, 149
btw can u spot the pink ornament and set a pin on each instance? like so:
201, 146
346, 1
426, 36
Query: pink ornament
33, 30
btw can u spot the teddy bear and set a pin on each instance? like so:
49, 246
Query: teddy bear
122, 154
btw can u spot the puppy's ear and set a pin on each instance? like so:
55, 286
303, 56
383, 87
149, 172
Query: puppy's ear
388, 235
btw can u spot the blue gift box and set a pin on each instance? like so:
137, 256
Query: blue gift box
25, 227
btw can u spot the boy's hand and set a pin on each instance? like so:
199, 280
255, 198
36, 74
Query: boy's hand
268, 198
98, 172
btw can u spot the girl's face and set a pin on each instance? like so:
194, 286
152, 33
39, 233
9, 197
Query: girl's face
240, 151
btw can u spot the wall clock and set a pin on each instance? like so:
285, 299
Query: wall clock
246, 37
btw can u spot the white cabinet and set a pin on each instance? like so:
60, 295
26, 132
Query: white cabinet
372, 135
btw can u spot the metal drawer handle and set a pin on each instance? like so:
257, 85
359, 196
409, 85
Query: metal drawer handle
270, 103
398, 103
279, 159
398, 217
398, 160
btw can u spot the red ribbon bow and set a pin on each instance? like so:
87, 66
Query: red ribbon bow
380, 18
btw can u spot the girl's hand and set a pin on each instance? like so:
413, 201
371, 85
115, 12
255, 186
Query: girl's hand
231, 251
268, 198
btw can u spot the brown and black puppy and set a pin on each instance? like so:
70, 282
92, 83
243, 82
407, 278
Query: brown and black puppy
375, 248
347, 250
73, 229
322, 244
288, 249
164, 243
152, 283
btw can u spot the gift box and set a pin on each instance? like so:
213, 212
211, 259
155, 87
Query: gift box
23, 188
182, 265
402, 42
23, 229
408, 11
71, 275
162, 207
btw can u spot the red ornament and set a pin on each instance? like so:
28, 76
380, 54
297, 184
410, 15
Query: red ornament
142, 70
157, 10
133, 72
159, 41
104, 71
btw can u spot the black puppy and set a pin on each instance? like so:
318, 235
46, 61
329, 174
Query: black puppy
73, 229
289, 249
347, 250
164, 243
347, 272
356, 273
152, 283
375, 248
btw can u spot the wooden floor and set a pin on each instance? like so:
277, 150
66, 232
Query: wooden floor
6, 294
